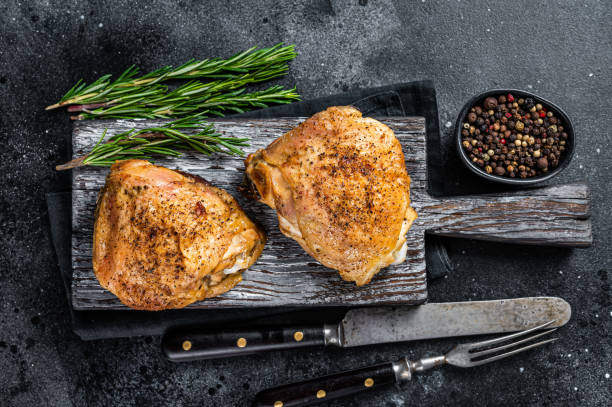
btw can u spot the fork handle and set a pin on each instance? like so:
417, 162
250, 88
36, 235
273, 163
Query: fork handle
321, 389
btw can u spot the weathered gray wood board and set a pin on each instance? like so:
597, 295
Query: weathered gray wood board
285, 275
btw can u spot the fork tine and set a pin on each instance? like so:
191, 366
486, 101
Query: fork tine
510, 345
508, 337
512, 352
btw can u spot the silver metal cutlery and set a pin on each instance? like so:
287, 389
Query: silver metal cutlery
351, 382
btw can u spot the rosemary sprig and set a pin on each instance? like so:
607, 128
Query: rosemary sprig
188, 134
266, 62
191, 99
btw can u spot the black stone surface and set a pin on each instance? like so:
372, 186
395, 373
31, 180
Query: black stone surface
560, 50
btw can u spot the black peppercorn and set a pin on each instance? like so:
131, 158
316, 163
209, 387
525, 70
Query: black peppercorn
513, 139
542, 163
490, 103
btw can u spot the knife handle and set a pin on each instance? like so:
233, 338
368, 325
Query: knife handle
187, 345
314, 391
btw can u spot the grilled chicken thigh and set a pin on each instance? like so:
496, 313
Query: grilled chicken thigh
165, 239
339, 185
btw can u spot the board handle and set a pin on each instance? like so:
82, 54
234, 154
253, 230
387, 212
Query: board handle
326, 388
184, 345
549, 216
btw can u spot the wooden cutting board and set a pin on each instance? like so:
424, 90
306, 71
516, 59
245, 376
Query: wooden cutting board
285, 275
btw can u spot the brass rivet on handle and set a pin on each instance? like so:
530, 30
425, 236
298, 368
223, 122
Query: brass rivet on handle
298, 336
368, 382
241, 342
186, 345
321, 394
278, 404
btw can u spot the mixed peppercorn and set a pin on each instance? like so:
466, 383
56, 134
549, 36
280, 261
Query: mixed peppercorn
513, 137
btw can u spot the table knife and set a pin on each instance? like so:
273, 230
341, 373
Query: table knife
369, 326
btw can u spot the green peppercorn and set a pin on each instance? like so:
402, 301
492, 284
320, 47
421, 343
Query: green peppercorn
488, 169
536, 154
519, 126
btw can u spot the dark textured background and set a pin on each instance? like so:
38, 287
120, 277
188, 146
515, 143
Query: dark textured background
560, 50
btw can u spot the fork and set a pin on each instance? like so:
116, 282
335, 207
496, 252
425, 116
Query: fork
343, 384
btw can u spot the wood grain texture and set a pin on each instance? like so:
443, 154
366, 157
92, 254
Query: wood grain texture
285, 275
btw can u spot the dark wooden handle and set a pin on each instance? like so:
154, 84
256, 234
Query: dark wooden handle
551, 216
190, 344
311, 392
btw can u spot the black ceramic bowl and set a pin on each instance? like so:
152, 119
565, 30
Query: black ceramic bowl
567, 124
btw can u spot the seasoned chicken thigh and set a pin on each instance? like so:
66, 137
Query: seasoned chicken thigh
339, 185
165, 239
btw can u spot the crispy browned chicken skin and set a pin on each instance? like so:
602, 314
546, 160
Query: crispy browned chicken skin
339, 185
165, 239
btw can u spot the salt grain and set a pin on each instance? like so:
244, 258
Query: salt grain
591, 74
448, 124
521, 369
607, 375
100, 25
598, 151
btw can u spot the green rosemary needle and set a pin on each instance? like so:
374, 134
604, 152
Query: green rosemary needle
188, 134
268, 62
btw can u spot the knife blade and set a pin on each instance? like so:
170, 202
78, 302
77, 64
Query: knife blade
368, 326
